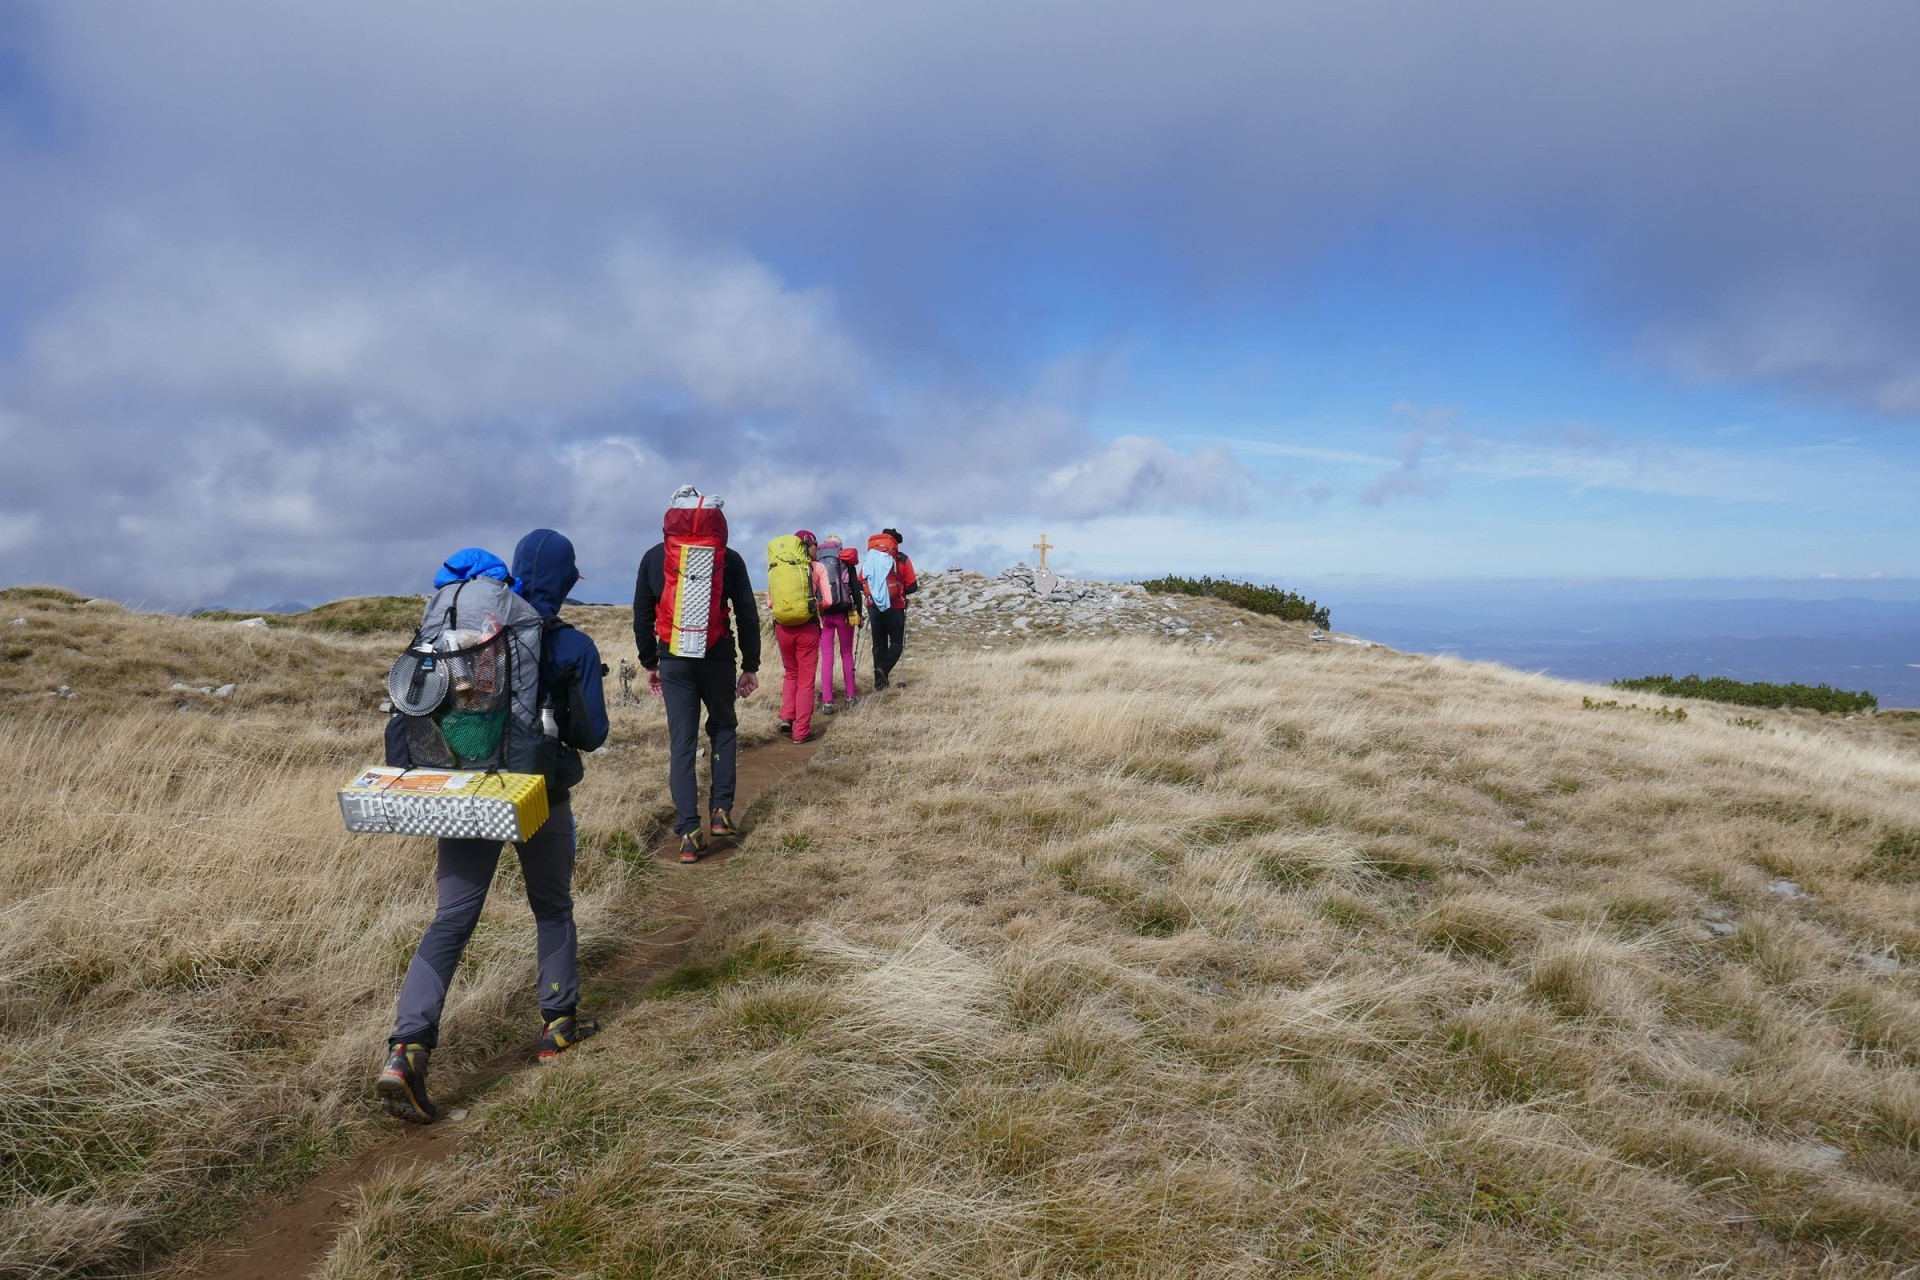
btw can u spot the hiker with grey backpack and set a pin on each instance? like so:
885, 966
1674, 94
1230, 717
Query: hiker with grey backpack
525, 696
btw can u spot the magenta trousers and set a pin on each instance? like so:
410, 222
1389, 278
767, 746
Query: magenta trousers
836, 626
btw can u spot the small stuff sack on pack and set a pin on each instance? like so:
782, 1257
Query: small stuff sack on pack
470, 671
691, 617
790, 581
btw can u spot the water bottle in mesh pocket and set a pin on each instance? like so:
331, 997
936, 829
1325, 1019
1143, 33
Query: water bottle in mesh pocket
473, 721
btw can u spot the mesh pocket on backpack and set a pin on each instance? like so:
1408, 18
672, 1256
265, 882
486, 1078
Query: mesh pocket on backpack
469, 728
426, 749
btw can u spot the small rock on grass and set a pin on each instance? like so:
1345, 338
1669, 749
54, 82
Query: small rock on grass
1819, 1154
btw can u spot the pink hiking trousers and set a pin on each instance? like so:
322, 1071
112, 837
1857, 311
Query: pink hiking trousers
840, 626
798, 645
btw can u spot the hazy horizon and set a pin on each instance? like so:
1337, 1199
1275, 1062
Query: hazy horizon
1850, 634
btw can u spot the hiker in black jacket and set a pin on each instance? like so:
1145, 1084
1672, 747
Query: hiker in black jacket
688, 684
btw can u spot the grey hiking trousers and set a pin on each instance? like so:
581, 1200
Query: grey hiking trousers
464, 873
687, 685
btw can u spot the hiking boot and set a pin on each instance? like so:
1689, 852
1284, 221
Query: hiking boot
852, 702
693, 846
879, 681
402, 1085
722, 824
826, 708
785, 727
565, 1032
810, 736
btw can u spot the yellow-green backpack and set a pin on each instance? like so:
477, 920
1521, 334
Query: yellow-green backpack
790, 581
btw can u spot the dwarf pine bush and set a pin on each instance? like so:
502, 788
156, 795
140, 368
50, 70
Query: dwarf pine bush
1753, 693
1289, 605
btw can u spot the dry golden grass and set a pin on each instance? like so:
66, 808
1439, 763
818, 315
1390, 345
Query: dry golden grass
1082, 958
197, 964
1105, 959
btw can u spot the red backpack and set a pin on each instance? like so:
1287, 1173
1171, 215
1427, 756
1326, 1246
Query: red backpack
691, 616
900, 579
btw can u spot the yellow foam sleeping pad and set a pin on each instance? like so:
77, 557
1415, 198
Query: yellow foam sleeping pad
453, 803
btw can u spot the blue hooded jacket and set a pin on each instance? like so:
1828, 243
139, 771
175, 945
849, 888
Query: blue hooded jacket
544, 565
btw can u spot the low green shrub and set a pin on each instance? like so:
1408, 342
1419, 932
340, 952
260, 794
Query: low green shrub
1271, 600
1896, 859
1753, 693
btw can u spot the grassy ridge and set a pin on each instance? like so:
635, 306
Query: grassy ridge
1753, 693
1312, 960
1271, 600
356, 616
1321, 963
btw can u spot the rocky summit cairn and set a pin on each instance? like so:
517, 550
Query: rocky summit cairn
1020, 602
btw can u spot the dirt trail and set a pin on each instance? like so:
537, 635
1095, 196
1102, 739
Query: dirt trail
289, 1239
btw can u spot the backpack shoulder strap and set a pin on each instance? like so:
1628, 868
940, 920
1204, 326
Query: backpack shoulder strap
549, 628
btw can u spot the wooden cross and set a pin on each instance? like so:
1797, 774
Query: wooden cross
1043, 546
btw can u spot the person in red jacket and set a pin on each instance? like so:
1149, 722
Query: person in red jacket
888, 578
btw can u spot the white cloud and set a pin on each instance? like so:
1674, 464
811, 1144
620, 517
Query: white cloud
1816, 334
263, 422
1573, 458
1135, 473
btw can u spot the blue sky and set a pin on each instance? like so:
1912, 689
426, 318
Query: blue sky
289, 298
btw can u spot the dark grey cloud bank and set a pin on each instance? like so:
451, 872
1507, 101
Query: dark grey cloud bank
297, 291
